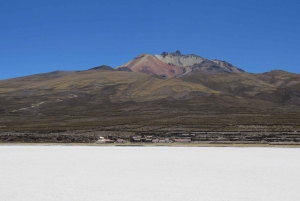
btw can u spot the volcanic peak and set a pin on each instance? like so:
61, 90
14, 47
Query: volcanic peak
177, 53
176, 64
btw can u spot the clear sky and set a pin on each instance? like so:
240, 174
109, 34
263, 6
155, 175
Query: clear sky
42, 36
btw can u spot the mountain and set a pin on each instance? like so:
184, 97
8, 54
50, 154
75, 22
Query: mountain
176, 64
150, 64
103, 67
157, 93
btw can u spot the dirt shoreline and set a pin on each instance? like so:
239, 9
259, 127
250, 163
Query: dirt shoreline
151, 145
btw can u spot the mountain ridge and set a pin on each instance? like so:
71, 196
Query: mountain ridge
127, 99
176, 64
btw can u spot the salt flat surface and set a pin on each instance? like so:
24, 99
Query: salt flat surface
36, 173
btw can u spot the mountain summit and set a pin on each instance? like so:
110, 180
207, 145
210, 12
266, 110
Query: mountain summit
176, 64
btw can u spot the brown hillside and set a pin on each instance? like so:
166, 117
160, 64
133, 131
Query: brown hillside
123, 101
149, 64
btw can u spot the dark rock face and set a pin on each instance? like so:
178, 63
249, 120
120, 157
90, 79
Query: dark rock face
291, 96
164, 54
124, 69
146, 69
208, 66
176, 53
103, 67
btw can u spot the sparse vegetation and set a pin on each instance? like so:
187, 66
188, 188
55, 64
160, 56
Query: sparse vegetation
126, 103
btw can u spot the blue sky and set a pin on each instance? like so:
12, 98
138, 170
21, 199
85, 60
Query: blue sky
42, 36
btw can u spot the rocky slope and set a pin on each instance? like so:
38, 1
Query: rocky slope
176, 64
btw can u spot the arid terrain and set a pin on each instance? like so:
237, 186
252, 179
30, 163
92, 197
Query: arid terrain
162, 95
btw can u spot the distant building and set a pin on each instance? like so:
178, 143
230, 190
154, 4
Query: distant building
119, 140
148, 140
135, 139
155, 140
183, 140
166, 140
102, 140
163, 141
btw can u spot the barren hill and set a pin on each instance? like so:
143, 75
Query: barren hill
176, 64
199, 95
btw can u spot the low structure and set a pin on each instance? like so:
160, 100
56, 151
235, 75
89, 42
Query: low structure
135, 139
183, 140
102, 140
119, 140
148, 140
155, 140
